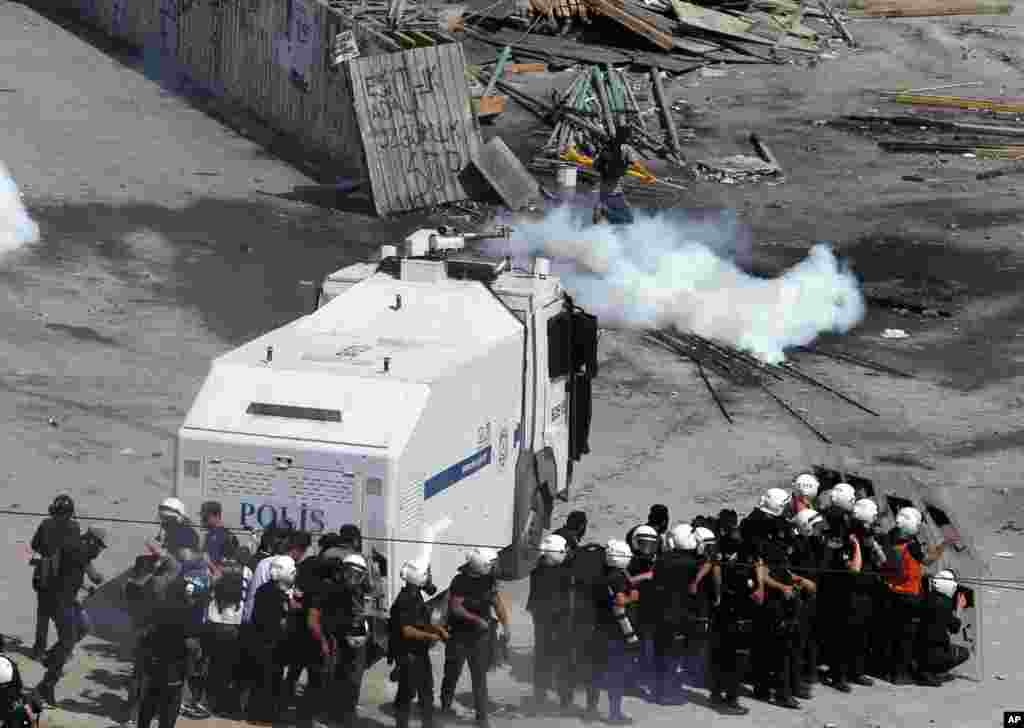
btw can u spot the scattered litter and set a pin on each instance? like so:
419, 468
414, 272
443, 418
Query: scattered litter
127, 451
894, 334
970, 155
829, 56
713, 73
1004, 554
999, 676
736, 169
53, 422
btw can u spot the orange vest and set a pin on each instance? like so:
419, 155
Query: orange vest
907, 579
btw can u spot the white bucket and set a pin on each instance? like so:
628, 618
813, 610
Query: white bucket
566, 176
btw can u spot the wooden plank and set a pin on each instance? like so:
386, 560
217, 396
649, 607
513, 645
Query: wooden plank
666, 113
526, 68
605, 105
506, 174
357, 71
958, 102
614, 11
729, 26
927, 8
837, 23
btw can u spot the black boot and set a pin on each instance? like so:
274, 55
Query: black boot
731, 706
45, 693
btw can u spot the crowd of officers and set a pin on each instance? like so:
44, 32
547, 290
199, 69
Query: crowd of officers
806, 588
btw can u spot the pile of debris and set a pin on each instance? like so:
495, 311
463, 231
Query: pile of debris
741, 368
398, 25
671, 35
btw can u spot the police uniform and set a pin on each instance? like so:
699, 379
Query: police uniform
469, 643
549, 606
412, 657
808, 561
618, 658
775, 654
732, 627
904, 572
684, 618
837, 600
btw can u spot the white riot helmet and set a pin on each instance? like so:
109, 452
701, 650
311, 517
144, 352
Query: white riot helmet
844, 496
645, 541
908, 521
282, 570
172, 509
553, 549
6, 671
415, 572
806, 485
866, 511
617, 554
774, 501
705, 538
481, 561
682, 538
809, 521
945, 583
354, 569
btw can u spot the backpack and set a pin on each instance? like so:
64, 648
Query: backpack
230, 588
47, 573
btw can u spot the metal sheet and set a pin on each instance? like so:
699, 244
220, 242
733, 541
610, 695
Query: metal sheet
416, 125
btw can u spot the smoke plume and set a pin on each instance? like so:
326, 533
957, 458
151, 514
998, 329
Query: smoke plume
16, 227
430, 534
663, 271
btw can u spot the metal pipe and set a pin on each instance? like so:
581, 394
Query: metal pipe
806, 377
821, 435
866, 363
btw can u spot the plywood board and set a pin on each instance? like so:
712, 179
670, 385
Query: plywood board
416, 125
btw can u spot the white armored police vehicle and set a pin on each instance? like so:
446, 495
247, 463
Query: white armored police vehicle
431, 384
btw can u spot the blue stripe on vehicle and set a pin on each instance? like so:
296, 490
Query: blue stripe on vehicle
452, 475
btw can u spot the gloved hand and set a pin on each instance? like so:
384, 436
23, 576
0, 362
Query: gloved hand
482, 625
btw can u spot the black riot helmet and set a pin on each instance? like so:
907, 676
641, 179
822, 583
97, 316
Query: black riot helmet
62, 507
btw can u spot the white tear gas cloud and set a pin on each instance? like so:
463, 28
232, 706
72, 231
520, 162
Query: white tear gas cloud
16, 227
664, 271
431, 532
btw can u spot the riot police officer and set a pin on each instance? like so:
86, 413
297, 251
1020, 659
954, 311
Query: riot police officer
684, 617
867, 586
412, 636
474, 601
842, 560
616, 609
732, 624
645, 545
775, 656
548, 604
808, 561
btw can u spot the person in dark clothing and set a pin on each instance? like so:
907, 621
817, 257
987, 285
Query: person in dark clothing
867, 585
616, 617
574, 530
683, 615
336, 624
17, 710
75, 563
549, 605
175, 531
775, 656
732, 625
842, 561
266, 636
903, 572
53, 534
163, 657
657, 518
412, 636
936, 654
612, 163
473, 596
645, 546
808, 561
587, 567
219, 540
